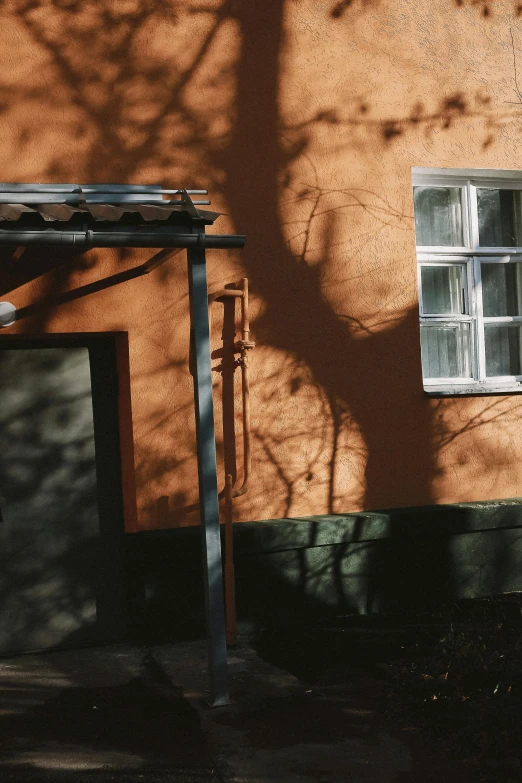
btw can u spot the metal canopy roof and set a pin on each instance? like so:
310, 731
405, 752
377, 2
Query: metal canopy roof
53, 215
30, 204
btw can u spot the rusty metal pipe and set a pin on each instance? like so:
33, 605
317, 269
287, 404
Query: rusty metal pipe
229, 572
243, 346
222, 292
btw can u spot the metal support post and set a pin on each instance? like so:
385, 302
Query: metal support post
207, 472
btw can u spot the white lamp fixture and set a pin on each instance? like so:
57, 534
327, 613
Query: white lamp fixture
7, 314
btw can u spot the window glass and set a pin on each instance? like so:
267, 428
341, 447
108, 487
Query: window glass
443, 290
470, 293
501, 289
499, 217
502, 350
446, 350
438, 216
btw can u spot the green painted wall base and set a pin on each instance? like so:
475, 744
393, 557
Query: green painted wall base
289, 571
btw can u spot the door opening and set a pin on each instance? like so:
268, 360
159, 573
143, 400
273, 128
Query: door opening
61, 524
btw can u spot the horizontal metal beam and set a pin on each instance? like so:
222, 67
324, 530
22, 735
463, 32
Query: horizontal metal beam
8, 187
159, 236
79, 200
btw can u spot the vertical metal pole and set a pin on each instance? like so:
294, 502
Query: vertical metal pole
207, 472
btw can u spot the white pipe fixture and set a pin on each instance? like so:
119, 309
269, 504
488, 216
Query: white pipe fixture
7, 314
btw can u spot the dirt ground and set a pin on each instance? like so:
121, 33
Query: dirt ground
445, 680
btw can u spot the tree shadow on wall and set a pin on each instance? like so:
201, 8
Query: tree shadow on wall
361, 370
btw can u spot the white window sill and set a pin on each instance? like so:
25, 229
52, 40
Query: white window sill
455, 390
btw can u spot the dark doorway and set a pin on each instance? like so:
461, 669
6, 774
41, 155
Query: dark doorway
61, 524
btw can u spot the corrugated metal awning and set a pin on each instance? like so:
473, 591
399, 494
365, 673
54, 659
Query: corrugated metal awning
109, 203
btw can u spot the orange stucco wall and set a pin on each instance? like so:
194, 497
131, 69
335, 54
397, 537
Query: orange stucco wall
303, 118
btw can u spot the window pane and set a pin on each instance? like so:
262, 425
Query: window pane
502, 350
446, 350
499, 217
501, 289
438, 216
443, 290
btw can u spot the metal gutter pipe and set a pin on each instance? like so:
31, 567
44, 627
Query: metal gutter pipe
158, 236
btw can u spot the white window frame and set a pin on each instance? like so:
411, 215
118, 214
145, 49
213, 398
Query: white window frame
470, 256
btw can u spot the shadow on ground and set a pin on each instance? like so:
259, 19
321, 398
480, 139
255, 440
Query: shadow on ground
136, 727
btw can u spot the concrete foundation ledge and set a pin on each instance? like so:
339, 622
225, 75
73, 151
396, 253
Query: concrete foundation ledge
328, 529
290, 570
